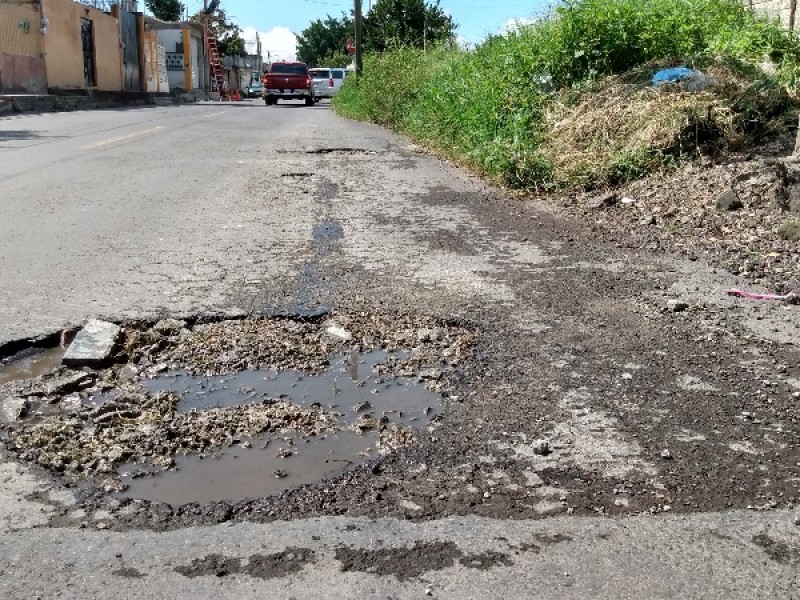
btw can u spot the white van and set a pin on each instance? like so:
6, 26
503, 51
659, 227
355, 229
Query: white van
326, 81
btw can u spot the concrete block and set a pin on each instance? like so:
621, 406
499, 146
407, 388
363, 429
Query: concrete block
13, 409
93, 346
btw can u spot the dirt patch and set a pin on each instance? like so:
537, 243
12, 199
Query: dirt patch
213, 564
404, 563
778, 550
259, 566
280, 564
486, 560
128, 573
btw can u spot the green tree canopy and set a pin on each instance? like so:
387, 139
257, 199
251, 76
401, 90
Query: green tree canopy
322, 42
229, 35
166, 10
416, 23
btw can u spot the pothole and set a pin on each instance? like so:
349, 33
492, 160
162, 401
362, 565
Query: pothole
333, 150
30, 363
229, 410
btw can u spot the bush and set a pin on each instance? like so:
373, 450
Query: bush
505, 107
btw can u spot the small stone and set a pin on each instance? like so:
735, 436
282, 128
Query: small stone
651, 220
728, 201
128, 373
677, 306
666, 454
336, 331
627, 200
429, 591
14, 409
362, 406
602, 201
541, 447
169, 326
431, 374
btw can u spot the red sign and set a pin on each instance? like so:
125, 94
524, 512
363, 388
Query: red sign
350, 45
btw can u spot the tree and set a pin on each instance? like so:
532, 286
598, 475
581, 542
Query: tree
166, 10
228, 33
322, 42
417, 23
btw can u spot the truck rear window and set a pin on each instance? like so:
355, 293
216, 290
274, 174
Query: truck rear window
288, 69
320, 73
338, 74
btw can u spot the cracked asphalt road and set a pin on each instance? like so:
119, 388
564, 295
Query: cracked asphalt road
672, 466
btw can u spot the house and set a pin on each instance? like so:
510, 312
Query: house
58, 45
22, 62
185, 54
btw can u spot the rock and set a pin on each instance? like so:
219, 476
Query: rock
602, 201
93, 346
14, 409
169, 326
541, 447
334, 330
431, 374
627, 200
729, 201
128, 373
71, 381
677, 305
666, 454
790, 230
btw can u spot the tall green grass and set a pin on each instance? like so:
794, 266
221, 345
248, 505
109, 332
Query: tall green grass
489, 106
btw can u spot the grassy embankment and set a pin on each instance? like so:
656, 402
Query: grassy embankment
567, 103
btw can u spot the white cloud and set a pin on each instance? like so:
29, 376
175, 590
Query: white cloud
279, 43
514, 24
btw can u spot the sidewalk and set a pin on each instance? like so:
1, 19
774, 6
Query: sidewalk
30, 103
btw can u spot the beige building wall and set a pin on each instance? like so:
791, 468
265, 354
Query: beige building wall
64, 48
22, 68
19, 28
781, 10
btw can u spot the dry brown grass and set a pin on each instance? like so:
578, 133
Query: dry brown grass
624, 127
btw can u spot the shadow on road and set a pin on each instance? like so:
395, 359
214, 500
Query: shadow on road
24, 135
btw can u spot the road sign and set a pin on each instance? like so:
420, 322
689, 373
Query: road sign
350, 45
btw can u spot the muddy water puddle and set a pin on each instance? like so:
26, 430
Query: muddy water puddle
350, 388
30, 364
239, 472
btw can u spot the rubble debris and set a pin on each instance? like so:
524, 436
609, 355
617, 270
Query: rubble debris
93, 346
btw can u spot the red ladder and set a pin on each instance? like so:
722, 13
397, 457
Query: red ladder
215, 60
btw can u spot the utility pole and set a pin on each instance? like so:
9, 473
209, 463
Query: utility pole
359, 38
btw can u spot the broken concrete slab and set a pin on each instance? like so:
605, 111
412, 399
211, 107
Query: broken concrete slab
93, 346
13, 409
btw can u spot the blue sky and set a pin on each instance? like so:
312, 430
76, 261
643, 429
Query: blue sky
276, 21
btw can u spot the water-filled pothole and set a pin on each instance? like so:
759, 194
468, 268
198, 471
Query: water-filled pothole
194, 411
29, 364
369, 408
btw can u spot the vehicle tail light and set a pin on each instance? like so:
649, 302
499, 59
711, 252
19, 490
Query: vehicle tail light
308, 81
330, 82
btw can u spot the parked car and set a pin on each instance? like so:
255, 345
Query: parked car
288, 81
326, 81
255, 89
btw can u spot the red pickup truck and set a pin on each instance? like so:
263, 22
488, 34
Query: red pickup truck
288, 81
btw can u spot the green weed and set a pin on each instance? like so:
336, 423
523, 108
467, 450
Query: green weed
567, 102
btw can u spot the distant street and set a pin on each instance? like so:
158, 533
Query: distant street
621, 428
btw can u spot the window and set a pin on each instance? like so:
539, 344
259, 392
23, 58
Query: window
288, 69
320, 73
